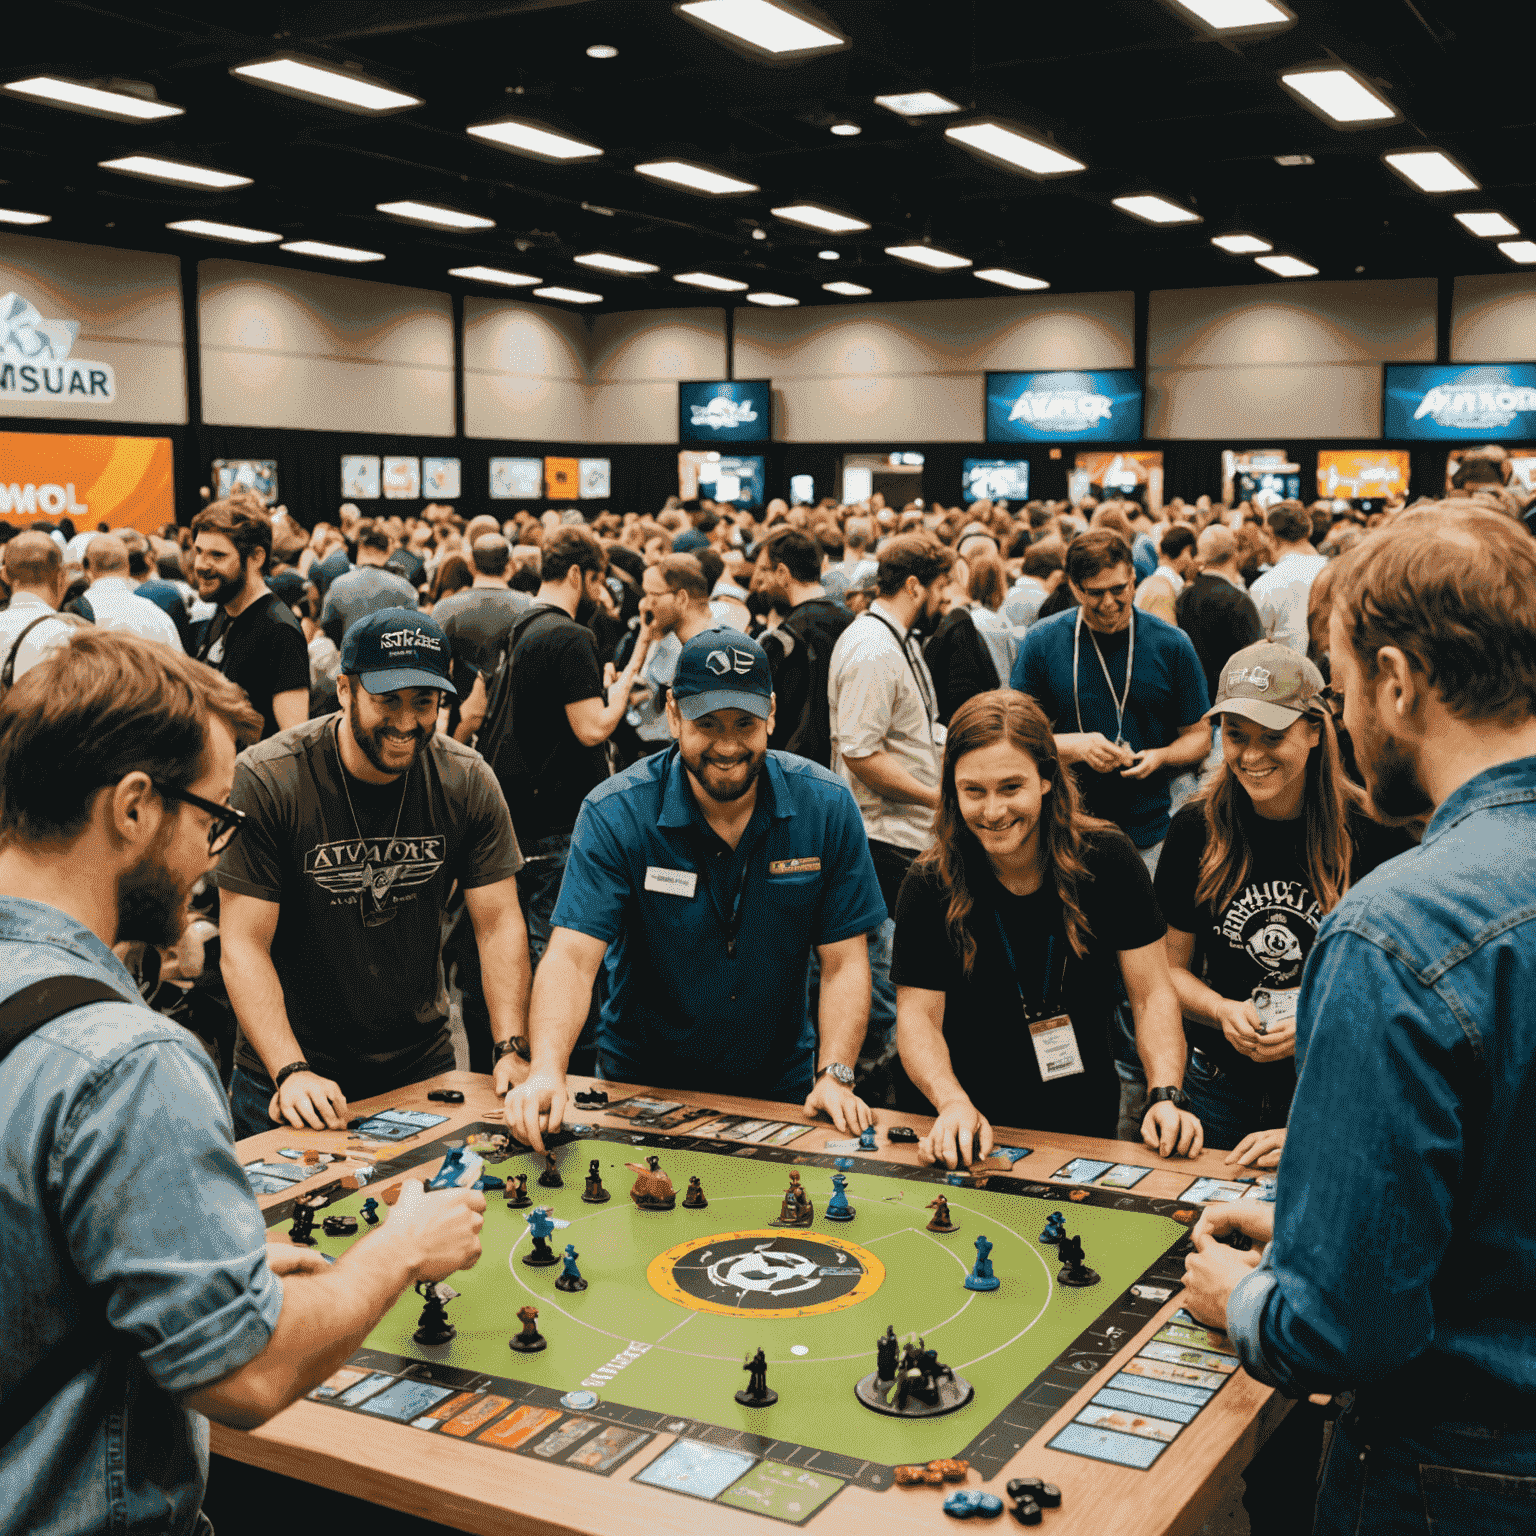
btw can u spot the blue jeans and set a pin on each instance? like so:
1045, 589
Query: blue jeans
1449, 1479
538, 888
1230, 1110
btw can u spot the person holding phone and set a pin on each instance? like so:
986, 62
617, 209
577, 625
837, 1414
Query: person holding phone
1011, 931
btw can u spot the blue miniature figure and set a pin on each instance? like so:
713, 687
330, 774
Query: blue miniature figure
371, 1211
570, 1277
460, 1169
981, 1278
541, 1223
838, 1208
867, 1139
489, 1182
1055, 1228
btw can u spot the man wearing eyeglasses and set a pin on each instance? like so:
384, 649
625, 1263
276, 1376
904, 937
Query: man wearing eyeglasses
358, 827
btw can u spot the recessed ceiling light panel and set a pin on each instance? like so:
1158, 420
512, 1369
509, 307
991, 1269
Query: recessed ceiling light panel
495, 275
1430, 170
1004, 277
1241, 245
330, 252
19, 216
1522, 251
760, 24
1236, 15
931, 256
997, 141
814, 216
568, 295
830, 255
697, 178
335, 87
709, 280
847, 130
917, 104
1486, 225
236, 234
772, 300
606, 261
153, 168
431, 213
531, 139
848, 290
1287, 266
1339, 95
121, 106
1152, 209
602, 51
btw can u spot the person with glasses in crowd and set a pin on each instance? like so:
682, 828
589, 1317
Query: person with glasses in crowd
358, 827
126, 1322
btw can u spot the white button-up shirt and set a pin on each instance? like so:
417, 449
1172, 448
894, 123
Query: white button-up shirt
115, 605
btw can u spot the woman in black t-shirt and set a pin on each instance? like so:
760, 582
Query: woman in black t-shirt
1249, 870
1010, 932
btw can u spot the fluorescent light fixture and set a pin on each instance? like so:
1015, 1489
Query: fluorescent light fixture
568, 295
17, 216
530, 139
830, 255
336, 87
772, 300
210, 229
122, 105
1294, 160
849, 290
817, 217
1236, 15
1523, 251
1486, 224
763, 25
495, 275
602, 51
1152, 209
931, 256
1241, 245
698, 178
1286, 266
709, 280
155, 169
430, 213
1014, 148
1431, 170
605, 261
1005, 278
330, 252
917, 103
1340, 95
847, 130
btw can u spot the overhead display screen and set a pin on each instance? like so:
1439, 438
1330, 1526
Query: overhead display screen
723, 411
1362, 474
1100, 407
721, 478
1493, 402
995, 480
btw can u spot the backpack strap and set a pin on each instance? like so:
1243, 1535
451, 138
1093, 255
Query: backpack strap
8, 674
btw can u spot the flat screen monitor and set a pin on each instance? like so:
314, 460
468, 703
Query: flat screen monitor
995, 480
1486, 402
721, 477
720, 413
256, 475
1098, 407
517, 479
802, 490
1266, 486
1362, 474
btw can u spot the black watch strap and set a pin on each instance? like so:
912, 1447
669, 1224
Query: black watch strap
288, 1071
517, 1045
1174, 1096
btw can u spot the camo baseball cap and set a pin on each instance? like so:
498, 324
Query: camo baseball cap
1269, 684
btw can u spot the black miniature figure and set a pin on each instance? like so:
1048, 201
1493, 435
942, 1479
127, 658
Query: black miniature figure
757, 1393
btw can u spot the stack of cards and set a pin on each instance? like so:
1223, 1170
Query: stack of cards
763, 1133
1086, 1170
396, 1124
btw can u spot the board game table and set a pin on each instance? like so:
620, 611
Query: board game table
628, 1420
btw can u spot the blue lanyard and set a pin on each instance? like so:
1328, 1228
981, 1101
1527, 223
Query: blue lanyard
1013, 965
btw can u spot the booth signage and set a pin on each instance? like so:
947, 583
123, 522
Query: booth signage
1098, 407
1495, 401
125, 482
35, 361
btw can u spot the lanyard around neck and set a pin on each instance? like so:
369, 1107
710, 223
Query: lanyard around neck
1013, 966
930, 708
1120, 700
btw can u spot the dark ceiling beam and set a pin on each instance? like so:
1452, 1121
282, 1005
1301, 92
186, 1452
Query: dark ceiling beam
413, 19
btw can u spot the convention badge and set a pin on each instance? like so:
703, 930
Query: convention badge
1056, 1051
1275, 1006
671, 882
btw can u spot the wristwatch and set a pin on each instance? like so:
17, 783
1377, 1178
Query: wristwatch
840, 1073
517, 1045
1174, 1096
288, 1071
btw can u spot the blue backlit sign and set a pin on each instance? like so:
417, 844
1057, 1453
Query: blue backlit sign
1489, 402
1099, 407
724, 411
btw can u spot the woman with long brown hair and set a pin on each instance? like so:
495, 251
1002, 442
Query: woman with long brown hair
1011, 930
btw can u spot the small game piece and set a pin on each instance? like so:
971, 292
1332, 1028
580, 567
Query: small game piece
433, 1326
981, 1277
652, 1189
461, 1168
570, 1278
304, 1219
550, 1178
519, 1198
583, 1400
1073, 1270
1028, 1512
371, 1211
339, 1226
1025, 1488
1055, 1228
540, 1224
446, 1096
488, 1183
390, 1194
867, 1139
838, 1208
900, 1133
844, 1163
887, 1352
594, 1193
942, 1222
919, 1386
592, 1098
951, 1468
1049, 1496
961, 1504
796, 1209
757, 1393
694, 1200
530, 1340
909, 1476
988, 1505
311, 1156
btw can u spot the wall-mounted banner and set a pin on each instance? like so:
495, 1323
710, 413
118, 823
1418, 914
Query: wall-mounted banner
35, 363
1489, 401
514, 479
720, 411
440, 477
124, 482
1100, 407
360, 477
402, 478
562, 479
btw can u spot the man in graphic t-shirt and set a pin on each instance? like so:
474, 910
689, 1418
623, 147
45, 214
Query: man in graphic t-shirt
357, 826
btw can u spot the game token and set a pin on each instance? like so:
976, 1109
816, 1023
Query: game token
796, 1209
951, 1468
962, 1504
1073, 1270
838, 1208
433, 1327
899, 1133
540, 1224
518, 1197
981, 1277
1055, 1228
988, 1505
550, 1178
942, 1223
1027, 1512
1025, 1488
652, 1189
867, 1139
530, 1340
694, 1200
580, 1401
887, 1352
570, 1278
1050, 1496
371, 1211
757, 1393
446, 1096
842, 1162
339, 1226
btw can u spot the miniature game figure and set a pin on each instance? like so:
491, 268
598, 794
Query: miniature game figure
838, 1208
694, 1200
594, 1193
981, 1277
340, 1226
540, 1224
570, 1278
519, 1198
652, 1189
530, 1340
591, 1098
433, 1326
371, 1211
1055, 1228
550, 1178
796, 1209
910, 1381
1073, 1270
942, 1221
461, 1168
302, 1230
867, 1139
757, 1393
887, 1352
901, 1133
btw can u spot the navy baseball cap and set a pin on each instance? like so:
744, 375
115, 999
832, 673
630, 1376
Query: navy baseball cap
398, 648
722, 669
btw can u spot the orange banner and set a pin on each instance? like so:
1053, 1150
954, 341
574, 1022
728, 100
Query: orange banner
124, 482
561, 480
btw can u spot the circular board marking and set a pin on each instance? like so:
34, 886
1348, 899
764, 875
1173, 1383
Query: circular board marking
766, 1272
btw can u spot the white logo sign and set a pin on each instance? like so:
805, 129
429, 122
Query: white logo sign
1061, 410
35, 360
1481, 400
723, 412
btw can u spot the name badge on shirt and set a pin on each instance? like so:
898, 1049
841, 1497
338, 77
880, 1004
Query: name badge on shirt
809, 865
1055, 1043
671, 882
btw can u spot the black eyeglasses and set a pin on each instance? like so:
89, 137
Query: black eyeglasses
224, 821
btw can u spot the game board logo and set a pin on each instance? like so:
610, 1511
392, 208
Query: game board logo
766, 1273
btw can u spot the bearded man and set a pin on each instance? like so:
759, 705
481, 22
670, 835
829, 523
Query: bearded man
357, 827
707, 873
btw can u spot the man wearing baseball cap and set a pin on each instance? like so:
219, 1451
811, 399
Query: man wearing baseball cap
706, 874
357, 826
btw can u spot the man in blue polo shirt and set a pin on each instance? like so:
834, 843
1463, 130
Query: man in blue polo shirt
707, 874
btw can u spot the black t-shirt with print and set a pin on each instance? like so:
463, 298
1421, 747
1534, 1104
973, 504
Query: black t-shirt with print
990, 1048
263, 651
1263, 935
358, 940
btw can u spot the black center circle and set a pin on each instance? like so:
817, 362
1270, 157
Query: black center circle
766, 1273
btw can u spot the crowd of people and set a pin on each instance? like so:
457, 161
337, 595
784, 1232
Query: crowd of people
1097, 819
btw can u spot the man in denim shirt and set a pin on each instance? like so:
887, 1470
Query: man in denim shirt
1403, 1261
124, 1214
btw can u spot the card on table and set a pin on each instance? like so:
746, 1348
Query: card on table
519, 1427
1123, 1176
563, 1438
605, 1452
479, 1412
1211, 1191
1081, 1170
691, 1466
406, 1400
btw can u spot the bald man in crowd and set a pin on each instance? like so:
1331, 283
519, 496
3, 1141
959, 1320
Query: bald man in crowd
34, 571
477, 622
112, 601
1214, 609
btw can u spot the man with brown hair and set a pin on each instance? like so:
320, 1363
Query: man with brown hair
1281, 593
1403, 1256
674, 607
140, 1291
